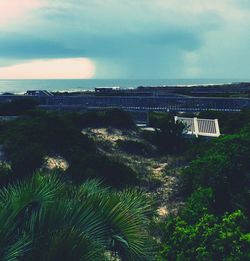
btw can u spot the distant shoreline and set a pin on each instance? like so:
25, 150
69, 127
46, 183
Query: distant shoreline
21, 86
230, 86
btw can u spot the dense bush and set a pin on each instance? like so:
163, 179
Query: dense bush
214, 222
110, 171
201, 201
210, 238
230, 122
196, 147
17, 107
118, 119
225, 169
5, 173
167, 137
136, 147
27, 140
108, 118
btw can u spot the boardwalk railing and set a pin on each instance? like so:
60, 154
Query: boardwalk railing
200, 127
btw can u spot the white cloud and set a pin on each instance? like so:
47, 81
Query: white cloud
12, 11
70, 68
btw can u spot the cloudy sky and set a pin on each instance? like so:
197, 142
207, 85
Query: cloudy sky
124, 39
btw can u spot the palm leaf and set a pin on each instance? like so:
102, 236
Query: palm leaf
18, 249
75, 220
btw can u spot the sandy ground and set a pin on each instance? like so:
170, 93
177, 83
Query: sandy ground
153, 169
55, 162
111, 135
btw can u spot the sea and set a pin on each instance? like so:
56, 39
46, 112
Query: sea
21, 86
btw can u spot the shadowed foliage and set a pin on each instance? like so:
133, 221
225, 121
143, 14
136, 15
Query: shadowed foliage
167, 137
45, 219
17, 107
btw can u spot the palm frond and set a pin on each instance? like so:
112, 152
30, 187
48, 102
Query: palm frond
40, 189
68, 245
72, 222
18, 249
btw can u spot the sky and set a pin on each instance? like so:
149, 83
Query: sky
124, 39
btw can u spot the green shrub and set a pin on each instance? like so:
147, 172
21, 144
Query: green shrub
211, 238
230, 122
110, 171
27, 140
225, 169
115, 118
201, 201
17, 107
136, 147
167, 137
5, 173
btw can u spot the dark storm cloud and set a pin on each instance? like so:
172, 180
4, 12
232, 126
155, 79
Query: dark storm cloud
137, 38
19, 46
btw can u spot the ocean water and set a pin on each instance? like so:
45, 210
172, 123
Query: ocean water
21, 86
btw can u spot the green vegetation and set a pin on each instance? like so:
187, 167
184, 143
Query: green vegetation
108, 118
110, 171
27, 140
102, 206
225, 169
230, 122
136, 147
210, 238
17, 107
45, 219
167, 136
214, 223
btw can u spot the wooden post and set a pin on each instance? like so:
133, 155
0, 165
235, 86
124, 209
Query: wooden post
217, 127
196, 127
